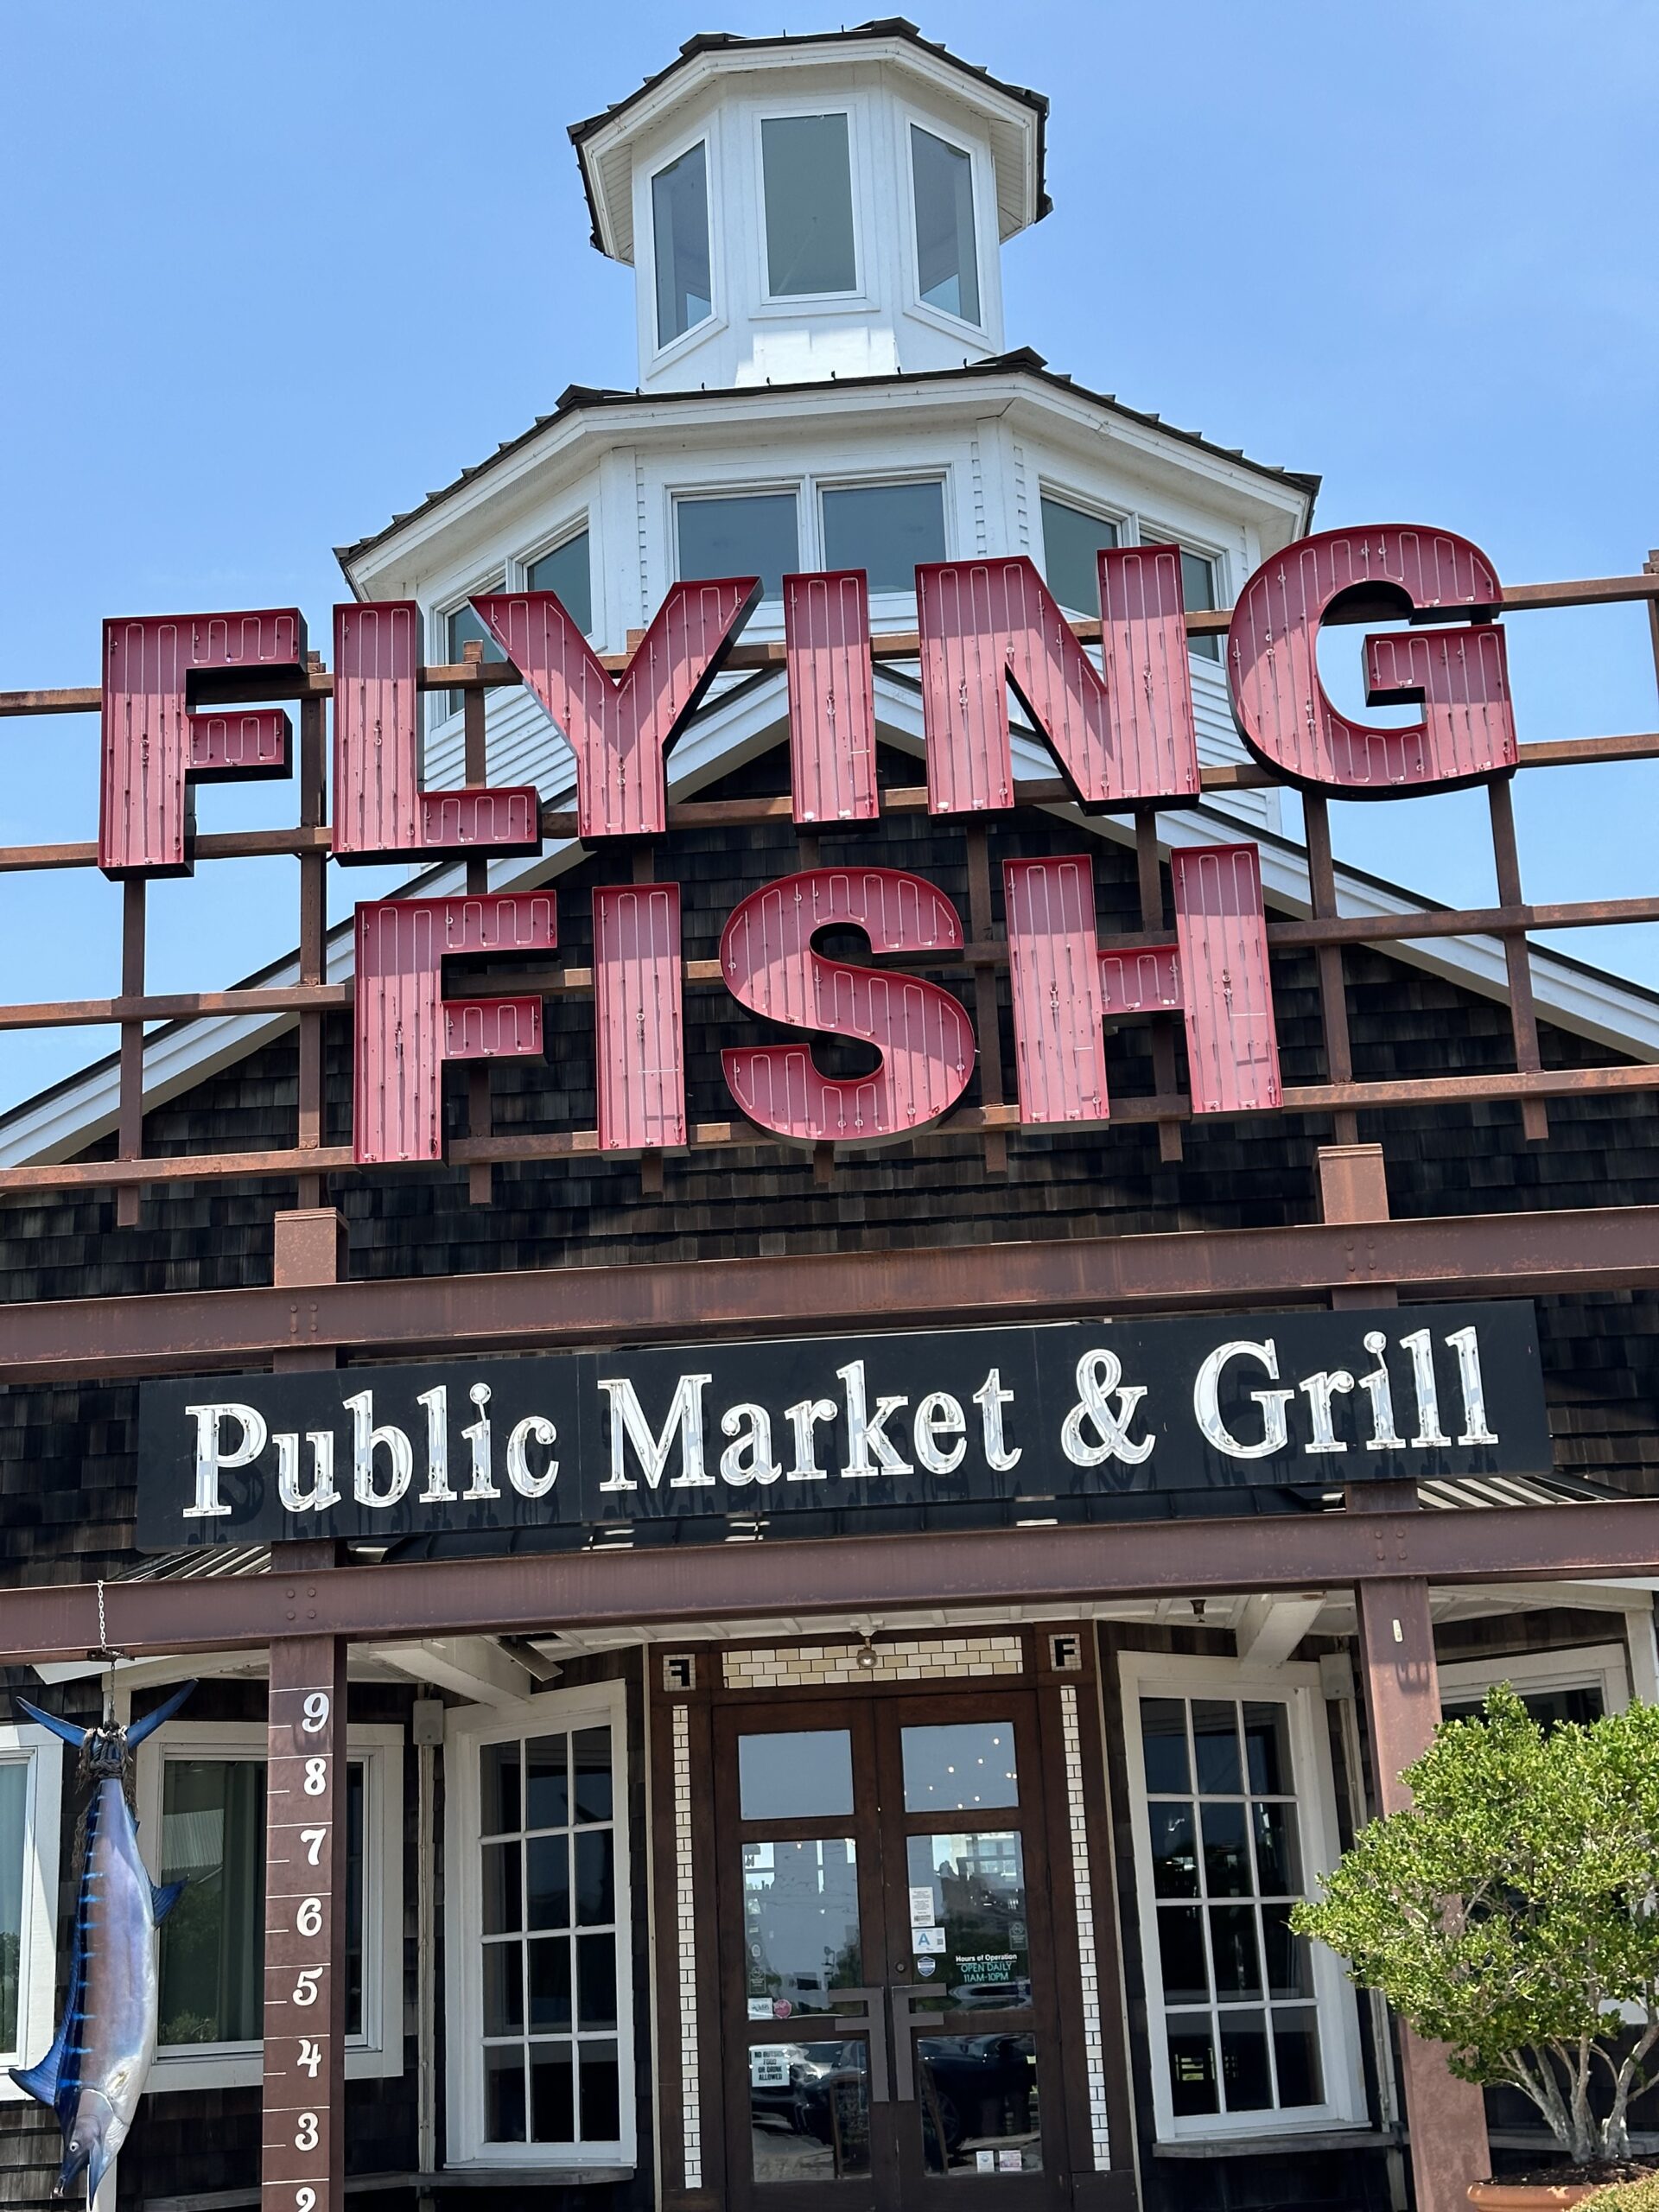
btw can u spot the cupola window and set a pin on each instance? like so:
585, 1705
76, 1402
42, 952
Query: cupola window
1071, 540
746, 534
808, 179
679, 216
947, 263
884, 529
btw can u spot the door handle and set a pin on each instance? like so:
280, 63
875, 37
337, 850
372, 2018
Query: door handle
875, 2027
902, 1995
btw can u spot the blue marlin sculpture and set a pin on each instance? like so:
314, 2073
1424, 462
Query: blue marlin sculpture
94, 2074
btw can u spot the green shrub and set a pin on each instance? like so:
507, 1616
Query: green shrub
1512, 1913
1625, 2196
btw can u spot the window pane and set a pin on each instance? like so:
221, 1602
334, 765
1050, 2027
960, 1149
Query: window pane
1226, 1856
1214, 1746
1296, 2053
947, 267
591, 1753
1180, 1956
804, 1774
949, 1770
567, 571
596, 1981
595, 1876
601, 2110
1244, 2062
14, 1805
502, 1814
800, 1922
1070, 541
547, 1794
1163, 1735
679, 215
809, 2112
979, 1902
504, 1989
548, 1867
1191, 2066
979, 2104
1290, 1970
1267, 1750
1174, 1854
1198, 589
503, 2094
751, 534
550, 1981
463, 628
1232, 1944
886, 530
809, 187
1278, 1862
552, 2106
213, 1941
503, 1910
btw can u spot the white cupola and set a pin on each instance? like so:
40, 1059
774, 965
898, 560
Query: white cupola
802, 209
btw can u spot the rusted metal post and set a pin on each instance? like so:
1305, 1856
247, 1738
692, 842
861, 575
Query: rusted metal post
987, 1028
302, 2162
1353, 1190
1523, 1019
1150, 880
131, 1108
1447, 2118
480, 1175
1333, 990
313, 929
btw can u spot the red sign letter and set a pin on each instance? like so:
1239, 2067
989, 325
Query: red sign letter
153, 748
404, 1027
924, 1040
640, 1047
1461, 675
619, 732
379, 807
1124, 736
831, 698
1063, 986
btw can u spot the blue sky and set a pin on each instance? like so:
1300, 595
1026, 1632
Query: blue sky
274, 272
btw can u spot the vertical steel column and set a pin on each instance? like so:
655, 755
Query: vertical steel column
1446, 2117
987, 1030
130, 1111
1150, 875
303, 2165
480, 1176
314, 927
1523, 1019
1334, 991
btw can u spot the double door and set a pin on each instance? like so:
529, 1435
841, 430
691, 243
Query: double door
888, 1996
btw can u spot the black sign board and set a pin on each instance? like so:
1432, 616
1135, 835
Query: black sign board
704, 1433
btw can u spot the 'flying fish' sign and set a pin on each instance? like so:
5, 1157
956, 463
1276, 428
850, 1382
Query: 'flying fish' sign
1021, 1417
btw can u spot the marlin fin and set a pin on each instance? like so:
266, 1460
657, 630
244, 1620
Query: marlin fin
162, 1899
152, 1721
40, 2082
71, 1732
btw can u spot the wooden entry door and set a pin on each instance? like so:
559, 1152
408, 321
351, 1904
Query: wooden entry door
891, 2027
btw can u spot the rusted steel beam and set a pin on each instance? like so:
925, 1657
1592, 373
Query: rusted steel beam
660, 1587
1614, 1247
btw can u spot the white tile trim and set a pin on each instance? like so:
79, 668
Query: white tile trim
1094, 2062
685, 1938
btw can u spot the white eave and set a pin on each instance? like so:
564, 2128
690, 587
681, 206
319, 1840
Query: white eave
742, 721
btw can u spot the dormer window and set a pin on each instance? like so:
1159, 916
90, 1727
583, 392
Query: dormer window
807, 176
679, 218
947, 261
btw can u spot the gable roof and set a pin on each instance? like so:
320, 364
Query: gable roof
585, 399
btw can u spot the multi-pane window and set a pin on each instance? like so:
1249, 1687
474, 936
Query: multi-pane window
947, 264
886, 530
806, 172
1071, 540
552, 1964
679, 218
567, 570
1240, 2023
462, 628
741, 534
213, 1838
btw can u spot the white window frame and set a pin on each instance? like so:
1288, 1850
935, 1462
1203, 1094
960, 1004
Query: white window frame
705, 134
378, 2051
1147, 1674
884, 605
770, 305
38, 1951
493, 579
1062, 495
768, 616
466, 1729
1604, 1666
1148, 532
924, 310
579, 524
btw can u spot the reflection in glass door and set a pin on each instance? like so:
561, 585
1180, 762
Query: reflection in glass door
893, 1998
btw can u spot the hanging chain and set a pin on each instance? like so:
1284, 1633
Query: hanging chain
103, 1627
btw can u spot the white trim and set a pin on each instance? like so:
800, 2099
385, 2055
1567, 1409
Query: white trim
41, 1753
1603, 1667
467, 1729
770, 306
379, 2050
1154, 1675
704, 134
957, 326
